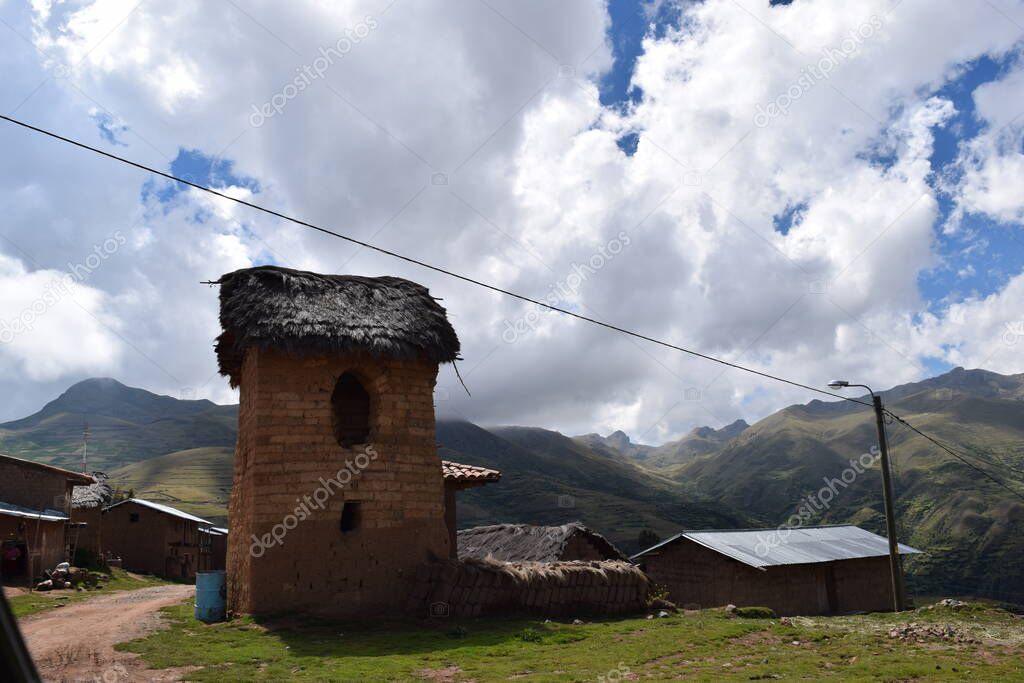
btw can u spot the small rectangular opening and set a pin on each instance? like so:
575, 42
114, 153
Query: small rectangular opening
350, 517
133, 516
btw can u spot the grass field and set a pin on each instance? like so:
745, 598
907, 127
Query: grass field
706, 646
31, 603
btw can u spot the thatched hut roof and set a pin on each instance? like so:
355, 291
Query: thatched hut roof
528, 543
304, 313
94, 495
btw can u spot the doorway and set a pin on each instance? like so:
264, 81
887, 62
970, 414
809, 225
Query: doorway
13, 560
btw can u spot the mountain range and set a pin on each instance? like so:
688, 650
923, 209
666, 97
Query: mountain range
739, 475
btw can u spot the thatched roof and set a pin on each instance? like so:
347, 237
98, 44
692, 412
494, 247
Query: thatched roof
303, 313
93, 496
527, 543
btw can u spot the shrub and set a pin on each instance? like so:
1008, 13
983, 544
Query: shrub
755, 612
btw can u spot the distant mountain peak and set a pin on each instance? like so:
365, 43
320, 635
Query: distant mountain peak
107, 397
618, 438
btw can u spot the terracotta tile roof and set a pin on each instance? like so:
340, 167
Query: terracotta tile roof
460, 473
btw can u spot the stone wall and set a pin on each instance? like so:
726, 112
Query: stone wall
471, 588
287, 551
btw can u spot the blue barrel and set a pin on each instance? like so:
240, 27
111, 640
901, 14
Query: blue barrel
211, 592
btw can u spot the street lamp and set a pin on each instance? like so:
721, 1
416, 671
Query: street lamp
890, 515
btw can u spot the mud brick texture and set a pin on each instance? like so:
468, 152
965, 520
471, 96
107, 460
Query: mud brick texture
292, 479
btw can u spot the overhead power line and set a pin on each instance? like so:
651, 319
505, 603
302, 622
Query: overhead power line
428, 266
955, 454
500, 290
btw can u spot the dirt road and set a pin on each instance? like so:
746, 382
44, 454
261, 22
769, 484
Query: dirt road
76, 643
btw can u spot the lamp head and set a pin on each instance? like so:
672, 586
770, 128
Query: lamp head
838, 384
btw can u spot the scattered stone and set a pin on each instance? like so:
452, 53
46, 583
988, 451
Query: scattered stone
919, 633
730, 608
577, 622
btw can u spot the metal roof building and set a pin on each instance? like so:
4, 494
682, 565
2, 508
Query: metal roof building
807, 570
776, 547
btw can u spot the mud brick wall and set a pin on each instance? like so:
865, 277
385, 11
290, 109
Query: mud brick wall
696, 576
90, 537
472, 588
156, 543
286, 451
34, 488
43, 543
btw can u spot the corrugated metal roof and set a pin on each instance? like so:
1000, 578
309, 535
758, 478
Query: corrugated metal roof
12, 510
167, 509
776, 547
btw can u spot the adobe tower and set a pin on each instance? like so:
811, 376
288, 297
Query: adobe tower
338, 494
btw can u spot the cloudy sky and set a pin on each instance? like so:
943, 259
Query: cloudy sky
814, 189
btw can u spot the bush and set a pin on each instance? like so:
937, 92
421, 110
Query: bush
528, 635
755, 612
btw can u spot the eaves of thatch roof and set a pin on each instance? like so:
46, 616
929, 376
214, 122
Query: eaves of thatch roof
304, 313
93, 496
527, 543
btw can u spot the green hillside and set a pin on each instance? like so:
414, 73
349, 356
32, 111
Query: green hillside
126, 425
197, 481
548, 478
179, 452
972, 529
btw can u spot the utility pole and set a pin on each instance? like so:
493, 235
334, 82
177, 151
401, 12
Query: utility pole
890, 515
895, 567
85, 448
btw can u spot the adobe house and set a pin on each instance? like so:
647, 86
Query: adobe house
35, 506
338, 494
154, 538
87, 503
529, 543
803, 571
459, 477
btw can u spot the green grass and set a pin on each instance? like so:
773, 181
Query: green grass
703, 646
35, 602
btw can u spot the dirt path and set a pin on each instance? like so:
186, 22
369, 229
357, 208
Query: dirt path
76, 643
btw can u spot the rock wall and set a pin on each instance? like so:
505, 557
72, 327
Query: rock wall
471, 588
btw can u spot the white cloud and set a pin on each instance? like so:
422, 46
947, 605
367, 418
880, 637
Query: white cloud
458, 133
993, 162
53, 325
